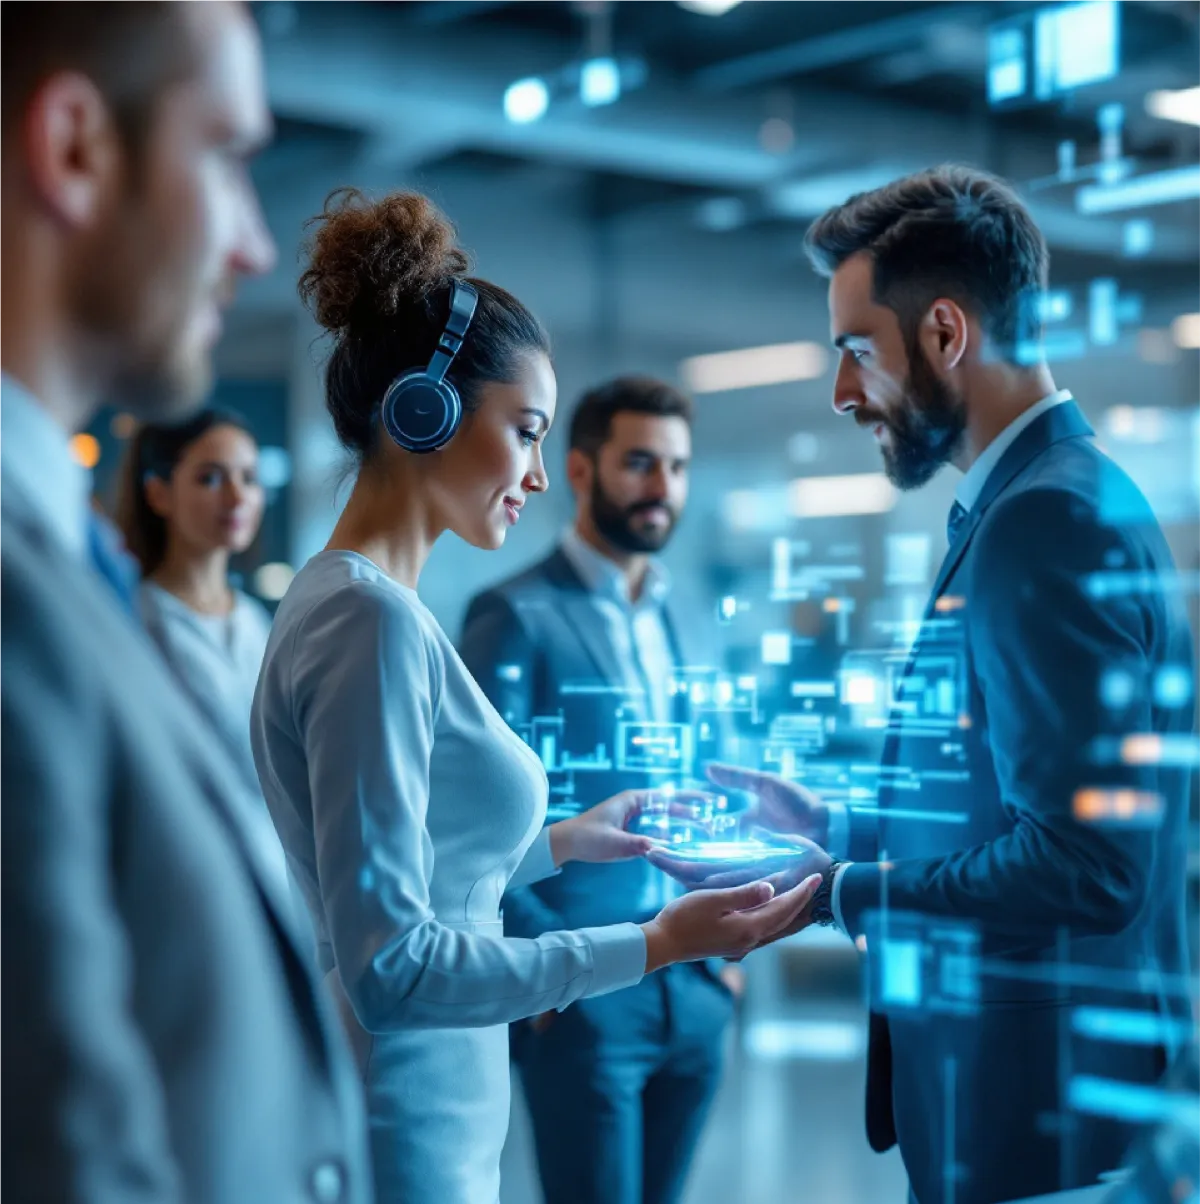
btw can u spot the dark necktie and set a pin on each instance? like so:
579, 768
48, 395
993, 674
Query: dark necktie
109, 558
956, 521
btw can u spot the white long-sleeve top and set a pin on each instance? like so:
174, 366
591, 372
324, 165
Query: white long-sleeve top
406, 807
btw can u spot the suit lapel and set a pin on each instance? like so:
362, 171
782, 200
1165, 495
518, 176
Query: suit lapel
1064, 421
579, 612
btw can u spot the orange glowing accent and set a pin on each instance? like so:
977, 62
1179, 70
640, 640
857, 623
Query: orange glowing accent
964, 721
831, 606
1142, 749
1095, 804
950, 602
86, 450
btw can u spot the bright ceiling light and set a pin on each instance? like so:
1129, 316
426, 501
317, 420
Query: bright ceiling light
526, 101
1157, 188
813, 195
599, 82
835, 497
1185, 330
1183, 105
754, 366
709, 8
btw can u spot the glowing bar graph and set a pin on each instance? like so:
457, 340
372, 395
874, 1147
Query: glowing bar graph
1128, 1027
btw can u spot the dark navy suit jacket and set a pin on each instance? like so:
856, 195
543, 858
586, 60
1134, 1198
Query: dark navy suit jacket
1062, 586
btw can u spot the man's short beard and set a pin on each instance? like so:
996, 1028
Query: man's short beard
614, 523
926, 429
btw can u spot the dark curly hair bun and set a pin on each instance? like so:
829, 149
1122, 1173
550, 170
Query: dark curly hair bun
369, 261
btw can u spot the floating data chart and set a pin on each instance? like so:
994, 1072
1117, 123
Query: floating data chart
1106, 316
1129, 688
655, 747
709, 690
919, 964
796, 575
1160, 450
548, 738
793, 736
929, 694
1173, 750
923, 694
909, 560
1121, 583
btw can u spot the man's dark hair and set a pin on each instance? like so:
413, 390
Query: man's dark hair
591, 422
951, 232
130, 51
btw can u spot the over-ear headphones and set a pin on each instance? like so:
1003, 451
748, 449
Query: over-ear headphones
421, 409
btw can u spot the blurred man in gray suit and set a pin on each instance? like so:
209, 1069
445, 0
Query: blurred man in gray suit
163, 1036
618, 1087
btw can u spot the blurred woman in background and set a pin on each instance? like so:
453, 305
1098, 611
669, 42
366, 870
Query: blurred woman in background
190, 499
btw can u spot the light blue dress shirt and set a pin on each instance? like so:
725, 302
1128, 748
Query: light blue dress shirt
407, 807
636, 629
36, 460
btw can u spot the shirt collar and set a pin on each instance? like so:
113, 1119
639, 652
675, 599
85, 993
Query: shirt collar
974, 479
36, 461
601, 576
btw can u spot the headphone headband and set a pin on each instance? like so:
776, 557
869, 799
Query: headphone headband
463, 300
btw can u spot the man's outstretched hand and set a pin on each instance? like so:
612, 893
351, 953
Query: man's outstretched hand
781, 806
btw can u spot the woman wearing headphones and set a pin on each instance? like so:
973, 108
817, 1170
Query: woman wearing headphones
405, 803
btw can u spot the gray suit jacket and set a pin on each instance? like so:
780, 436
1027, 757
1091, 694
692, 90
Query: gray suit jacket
523, 641
163, 1034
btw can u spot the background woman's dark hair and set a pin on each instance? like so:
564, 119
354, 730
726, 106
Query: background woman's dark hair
951, 231
155, 451
379, 279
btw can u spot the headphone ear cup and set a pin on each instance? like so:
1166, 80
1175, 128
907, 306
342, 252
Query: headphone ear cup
421, 414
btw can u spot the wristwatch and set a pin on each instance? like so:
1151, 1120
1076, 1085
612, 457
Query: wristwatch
820, 910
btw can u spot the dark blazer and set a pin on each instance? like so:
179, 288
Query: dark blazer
164, 1037
522, 641
1058, 592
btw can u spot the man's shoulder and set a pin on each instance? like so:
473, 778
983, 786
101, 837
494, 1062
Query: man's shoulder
61, 631
532, 582
1076, 486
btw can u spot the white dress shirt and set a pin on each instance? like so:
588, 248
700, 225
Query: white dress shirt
969, 490
36, 461
637, 629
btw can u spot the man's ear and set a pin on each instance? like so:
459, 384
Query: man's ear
581, 471
71, 149
945, 334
